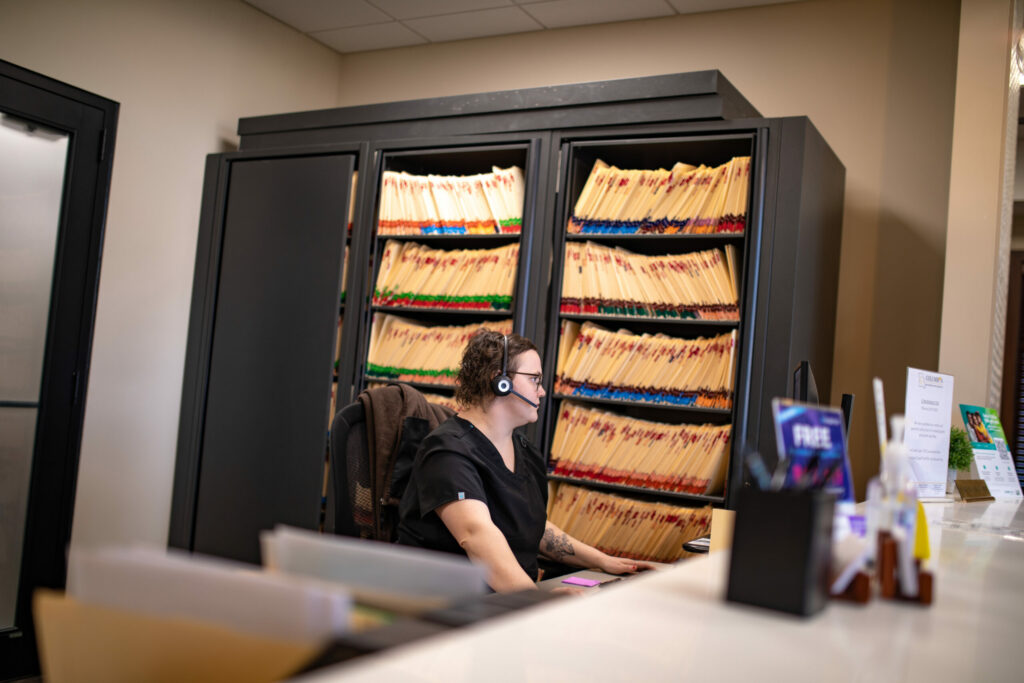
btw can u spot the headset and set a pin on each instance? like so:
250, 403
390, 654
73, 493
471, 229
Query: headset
502, 384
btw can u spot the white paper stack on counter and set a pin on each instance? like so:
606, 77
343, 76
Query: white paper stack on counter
134, 614
234, 595
393, 577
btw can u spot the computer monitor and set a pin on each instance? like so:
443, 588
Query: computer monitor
806, 391
804, 388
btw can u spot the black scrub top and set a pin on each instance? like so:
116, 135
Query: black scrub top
455, 462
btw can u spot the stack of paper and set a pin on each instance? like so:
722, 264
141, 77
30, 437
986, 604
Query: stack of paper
687, 199
435, 204
403, 350
633, 529
236, 596
597, 363
394, 577
610, 448
461, 279
601, 280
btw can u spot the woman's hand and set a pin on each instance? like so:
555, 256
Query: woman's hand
618, 565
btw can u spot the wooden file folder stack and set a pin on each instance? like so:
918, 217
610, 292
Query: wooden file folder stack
614, 449
403, 350
603, 280
485, 203
597, 363
687, 199
633, 529
462, 279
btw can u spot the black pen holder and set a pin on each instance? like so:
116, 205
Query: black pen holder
781, 550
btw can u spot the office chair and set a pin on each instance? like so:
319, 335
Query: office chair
350, 473
372, 446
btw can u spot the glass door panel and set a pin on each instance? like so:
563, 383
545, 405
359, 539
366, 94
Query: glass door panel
32, 171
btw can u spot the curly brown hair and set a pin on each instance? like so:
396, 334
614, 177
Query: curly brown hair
481, 363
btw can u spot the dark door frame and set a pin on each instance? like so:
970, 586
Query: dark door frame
1010, 405
91, 122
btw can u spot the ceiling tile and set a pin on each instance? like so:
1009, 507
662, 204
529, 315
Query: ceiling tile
561, 13
488, 22
319, 15
694, 6
414, 9
373, 37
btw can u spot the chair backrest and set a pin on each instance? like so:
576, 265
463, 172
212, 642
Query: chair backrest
351, 474
372, 447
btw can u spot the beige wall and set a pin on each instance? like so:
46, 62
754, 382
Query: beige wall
980, 202
184, 71
877, 79
875, 76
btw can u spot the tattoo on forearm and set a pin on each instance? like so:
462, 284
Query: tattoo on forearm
556, 546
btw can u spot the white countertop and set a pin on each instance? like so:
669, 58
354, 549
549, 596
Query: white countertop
674, 624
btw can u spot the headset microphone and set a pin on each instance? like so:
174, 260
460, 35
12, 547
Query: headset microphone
502, 384
516, 393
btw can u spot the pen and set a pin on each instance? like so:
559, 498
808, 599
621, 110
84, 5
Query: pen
807, 479
779, 476
879, 413
829, 471
756, 466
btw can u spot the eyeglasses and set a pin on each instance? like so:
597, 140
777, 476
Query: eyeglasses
535, 377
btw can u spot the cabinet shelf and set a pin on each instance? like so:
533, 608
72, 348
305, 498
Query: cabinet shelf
675, 240
425, 386
653, 494
485, 313
695, 410
448, 240
686, 322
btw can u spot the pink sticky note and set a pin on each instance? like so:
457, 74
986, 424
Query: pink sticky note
579, 581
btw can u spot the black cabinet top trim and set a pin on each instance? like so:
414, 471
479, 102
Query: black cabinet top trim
696, 83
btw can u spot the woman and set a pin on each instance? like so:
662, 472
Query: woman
479, 489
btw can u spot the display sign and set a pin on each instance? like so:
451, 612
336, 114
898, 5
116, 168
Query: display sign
812, 446
991, 454
928, 411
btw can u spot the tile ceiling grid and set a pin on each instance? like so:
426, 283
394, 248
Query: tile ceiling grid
361, 25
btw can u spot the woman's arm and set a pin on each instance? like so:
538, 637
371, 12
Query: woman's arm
469, 521
561, 547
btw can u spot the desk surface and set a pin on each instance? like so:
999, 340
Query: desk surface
674, 624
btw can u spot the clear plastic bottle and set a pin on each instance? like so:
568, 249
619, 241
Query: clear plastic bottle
886, 491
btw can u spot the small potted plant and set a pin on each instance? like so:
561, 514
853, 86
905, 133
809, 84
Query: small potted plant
960, 455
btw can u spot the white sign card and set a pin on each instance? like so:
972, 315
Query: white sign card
929, 407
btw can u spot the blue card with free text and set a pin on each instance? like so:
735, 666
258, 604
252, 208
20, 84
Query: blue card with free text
812, 441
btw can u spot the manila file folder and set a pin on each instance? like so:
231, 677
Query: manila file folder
83, 642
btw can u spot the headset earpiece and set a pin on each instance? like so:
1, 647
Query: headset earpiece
502, 384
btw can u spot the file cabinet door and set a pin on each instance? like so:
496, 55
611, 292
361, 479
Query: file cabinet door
275, 317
